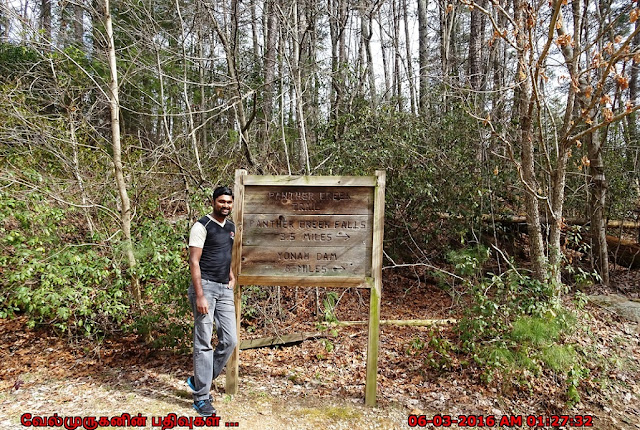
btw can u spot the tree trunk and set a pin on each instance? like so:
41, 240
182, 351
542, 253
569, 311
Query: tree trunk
558, 183
598, 194
309, 67
365, 70
559, 174
397, 69
475, 49
45, 20
597, 183
526, 106
448, 12
371, 75
202, 66
423, 54
78, 23
536, 242
4, 23
269, 70
497, 60
114, 107
476, 74
385, 63
76, 170
187, 99
230, 44
299, 100
254, 32
632, 119
338, 17
409, 60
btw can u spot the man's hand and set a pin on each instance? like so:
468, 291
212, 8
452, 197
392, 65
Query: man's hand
202, 305
232, 280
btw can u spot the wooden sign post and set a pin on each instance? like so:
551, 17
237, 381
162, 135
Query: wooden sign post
301, 231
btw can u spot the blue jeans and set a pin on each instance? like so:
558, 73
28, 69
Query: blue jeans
207, 362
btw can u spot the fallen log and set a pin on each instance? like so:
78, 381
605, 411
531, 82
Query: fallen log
623, 252
413, 323
300, 337
522, 219
279, 340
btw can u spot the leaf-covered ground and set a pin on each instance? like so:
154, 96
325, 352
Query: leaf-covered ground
318, 383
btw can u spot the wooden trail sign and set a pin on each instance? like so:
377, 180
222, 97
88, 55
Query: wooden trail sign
310, 231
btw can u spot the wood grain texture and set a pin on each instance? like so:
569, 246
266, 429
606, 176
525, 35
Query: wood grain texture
231, 378
312, 181
307, 230
371, 384
306, 281
307, 261
297, 200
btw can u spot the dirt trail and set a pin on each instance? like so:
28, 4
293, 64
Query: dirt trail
253, 408
316, 384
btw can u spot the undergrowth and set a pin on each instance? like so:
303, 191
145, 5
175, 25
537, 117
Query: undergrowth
517, 330
61, 276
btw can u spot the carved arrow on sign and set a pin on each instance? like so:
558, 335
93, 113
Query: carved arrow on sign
338, 268
341, 234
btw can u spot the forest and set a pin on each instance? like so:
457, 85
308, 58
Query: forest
508, 131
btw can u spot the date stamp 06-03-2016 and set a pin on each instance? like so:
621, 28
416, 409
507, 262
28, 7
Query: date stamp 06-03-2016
532, 421
172, 421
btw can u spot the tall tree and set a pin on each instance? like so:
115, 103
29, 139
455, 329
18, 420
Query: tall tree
368, 75
78, 22
269, 68
45, 20
448, 11
409, 59
338, 17
116, 145
397, 56
229, 38
4, 21
423, 54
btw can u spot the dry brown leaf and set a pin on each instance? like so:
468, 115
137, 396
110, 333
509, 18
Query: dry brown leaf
608, 114
623, 81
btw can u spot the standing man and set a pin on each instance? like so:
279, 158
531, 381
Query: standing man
211, 297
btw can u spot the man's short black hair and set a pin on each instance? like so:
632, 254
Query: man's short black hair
222, 191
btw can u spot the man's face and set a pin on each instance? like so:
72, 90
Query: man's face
222, 205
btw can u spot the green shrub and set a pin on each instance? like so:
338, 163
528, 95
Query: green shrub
516, 330
80, 288
64, 284
469, 262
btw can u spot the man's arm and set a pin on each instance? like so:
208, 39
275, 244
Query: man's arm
232, 279
195, 254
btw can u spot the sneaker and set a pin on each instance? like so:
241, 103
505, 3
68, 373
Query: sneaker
204, 407
193, 387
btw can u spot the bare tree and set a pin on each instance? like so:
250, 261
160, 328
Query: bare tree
78, 22
229, 38
114, 107
45, 19
448, 11
423, 54
384, 44
366, 33
4, 22
409, 60
338, 17
269, 67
